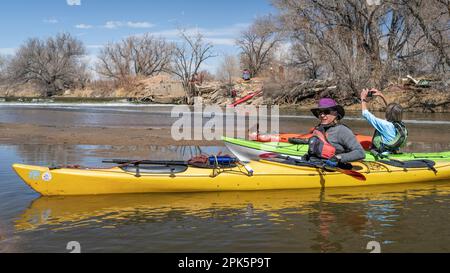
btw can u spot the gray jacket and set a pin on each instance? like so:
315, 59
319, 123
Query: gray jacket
346, 144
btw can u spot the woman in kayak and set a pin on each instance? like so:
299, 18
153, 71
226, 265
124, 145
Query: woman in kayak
332, 140
390, 134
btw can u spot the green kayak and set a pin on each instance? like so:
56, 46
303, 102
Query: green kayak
247, 150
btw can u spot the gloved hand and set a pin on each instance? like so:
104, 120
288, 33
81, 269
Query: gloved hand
332, 162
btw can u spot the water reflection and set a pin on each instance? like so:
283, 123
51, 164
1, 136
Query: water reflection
47, 154
332, 220
8, 241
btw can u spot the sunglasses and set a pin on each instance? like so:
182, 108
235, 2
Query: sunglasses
326, 112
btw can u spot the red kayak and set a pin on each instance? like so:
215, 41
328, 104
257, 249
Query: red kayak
246, 98
366, 141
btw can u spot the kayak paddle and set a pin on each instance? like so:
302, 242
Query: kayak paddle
354, 174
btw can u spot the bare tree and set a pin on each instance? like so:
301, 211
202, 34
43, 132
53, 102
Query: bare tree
55, 64
257, 43
228, 69
187, 59
135, 56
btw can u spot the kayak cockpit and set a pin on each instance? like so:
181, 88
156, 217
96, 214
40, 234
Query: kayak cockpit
155, 169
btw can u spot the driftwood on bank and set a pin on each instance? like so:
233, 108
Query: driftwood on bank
427, 106
296, 93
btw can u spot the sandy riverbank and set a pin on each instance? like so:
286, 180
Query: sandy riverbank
48, 135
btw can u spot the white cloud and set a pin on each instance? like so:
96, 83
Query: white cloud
51, 21
94, 46
233, 30
221, 41
130, 24
113, 24
83, 26
74, 2
140, 25
221, 35
170, 33
224, 36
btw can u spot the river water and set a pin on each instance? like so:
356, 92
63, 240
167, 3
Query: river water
402, 218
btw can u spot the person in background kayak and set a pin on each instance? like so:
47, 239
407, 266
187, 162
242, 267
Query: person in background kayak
333, 141
390, 134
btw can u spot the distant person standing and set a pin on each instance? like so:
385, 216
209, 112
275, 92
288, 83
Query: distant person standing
246, 75
233, 93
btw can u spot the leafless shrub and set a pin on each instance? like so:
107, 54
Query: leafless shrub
55, 64
135, 56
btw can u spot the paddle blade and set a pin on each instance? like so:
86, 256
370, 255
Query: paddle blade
353, 174
269, 155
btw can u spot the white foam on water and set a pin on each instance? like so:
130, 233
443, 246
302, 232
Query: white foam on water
82, 105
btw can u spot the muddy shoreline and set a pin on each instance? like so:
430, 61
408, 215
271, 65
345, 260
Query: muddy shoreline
88, 135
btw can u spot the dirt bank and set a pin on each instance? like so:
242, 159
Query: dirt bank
43, 134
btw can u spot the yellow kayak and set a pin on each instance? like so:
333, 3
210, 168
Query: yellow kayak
267, 175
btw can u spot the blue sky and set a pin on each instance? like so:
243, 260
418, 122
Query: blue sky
97, 22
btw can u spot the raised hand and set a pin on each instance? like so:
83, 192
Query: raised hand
364, 94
